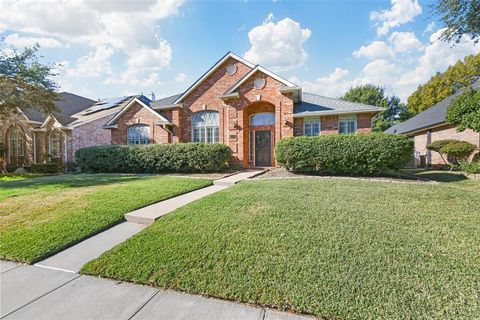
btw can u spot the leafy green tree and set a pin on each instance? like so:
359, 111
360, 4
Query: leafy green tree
25, 82
442, 85
464, 112
375, 96
457, 151
461, 17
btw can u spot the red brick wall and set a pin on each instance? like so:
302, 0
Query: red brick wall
440, 133
329, 125
207, 97
91, 134
364, 122
137, 114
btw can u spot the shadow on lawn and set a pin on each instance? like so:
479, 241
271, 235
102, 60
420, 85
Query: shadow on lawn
70, 181
442, 176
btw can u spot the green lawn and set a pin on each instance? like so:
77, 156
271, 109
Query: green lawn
336, 248
41, 216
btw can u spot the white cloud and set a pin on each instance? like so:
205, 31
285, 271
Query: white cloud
93, 64
333, 85
375, 50
278, 46
404, 41
401, 12
127, 26
429, 28
181, 77
152, 80
16, 40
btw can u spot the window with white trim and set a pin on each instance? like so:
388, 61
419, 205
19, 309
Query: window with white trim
347, 124
16, 142
311, 127
54, 144
138, 134
205, 127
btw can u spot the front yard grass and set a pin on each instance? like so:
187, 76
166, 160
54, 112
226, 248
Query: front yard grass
336, 248
41, 216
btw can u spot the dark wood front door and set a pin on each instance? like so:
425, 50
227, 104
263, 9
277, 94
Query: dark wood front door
263, 148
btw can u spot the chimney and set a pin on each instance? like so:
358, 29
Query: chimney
152, 94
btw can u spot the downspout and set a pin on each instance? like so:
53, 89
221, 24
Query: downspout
34, 147
65, 147
170, 133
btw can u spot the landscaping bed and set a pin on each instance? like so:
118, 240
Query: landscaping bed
335, 248
44, 215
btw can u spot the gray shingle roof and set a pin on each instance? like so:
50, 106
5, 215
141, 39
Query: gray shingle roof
433, 116
68, 105
164, 103
313, 104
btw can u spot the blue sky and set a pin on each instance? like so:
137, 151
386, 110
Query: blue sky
113, 48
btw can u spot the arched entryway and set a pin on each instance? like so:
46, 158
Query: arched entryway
259, 139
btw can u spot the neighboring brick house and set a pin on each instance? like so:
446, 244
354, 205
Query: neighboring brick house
430, 126
242, 105
32, 137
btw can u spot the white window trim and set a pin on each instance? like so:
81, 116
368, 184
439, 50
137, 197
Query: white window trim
258, 113
139, 125
59, 155
305, 120
349, 117
205, 127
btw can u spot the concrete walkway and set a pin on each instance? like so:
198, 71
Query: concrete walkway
52, 289
148, 215
31, 292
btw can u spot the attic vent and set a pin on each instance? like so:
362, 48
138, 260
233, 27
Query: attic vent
231, 69
259, 83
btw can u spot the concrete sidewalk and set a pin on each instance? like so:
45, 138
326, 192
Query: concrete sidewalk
31, 292
149, 214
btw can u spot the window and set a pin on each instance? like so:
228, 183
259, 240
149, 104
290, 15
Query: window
311, 127
16, 142
54, 144
205, 127
263, 119
347, 124
138, 134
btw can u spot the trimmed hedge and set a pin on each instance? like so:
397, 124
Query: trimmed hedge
357, 154
51, 167
155, 158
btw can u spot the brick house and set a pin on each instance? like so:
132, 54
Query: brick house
30, 136
429, 126
242, 105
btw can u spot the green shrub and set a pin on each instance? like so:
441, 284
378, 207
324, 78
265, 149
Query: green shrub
473, 167
456, 150
45, 168
439, 144
155, 158
358, 154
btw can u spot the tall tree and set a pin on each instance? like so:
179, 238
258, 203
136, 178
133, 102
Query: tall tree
442, 85
25, 82
464, 112
375, 96
461, 17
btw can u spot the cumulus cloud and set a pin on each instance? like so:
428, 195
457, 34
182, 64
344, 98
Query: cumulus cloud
398, 76
404, 41
375, 50
94, 64
126, 26
278, 46
16, 40
181, 77
401, 12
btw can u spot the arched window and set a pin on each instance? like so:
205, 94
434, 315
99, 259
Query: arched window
263, 119
54, 144
205, 127
138, 134
16, 142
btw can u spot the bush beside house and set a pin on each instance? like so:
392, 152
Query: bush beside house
456, 151
182, 157
358, 154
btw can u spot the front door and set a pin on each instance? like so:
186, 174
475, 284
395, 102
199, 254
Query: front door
263, 148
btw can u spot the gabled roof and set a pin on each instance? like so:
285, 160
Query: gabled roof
165, 103
68, 104
210, 71
112, 123
315, 105
252, 72
432, 117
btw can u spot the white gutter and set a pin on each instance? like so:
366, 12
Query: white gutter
34, 148
334, 112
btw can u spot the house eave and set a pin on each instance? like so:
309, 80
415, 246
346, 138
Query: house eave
171, 106
233, 95
334, 112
